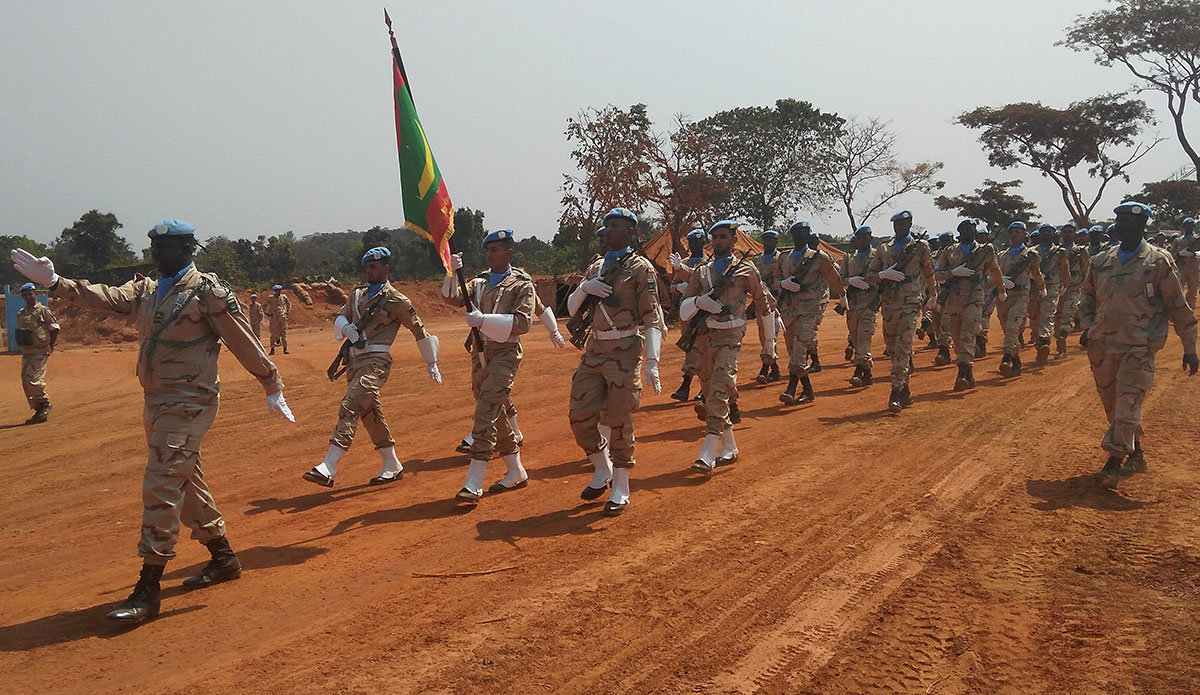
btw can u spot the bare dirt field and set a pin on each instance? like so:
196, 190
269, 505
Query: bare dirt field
960, 547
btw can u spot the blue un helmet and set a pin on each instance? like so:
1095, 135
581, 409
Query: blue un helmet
28, 287
1017, 225
697, 233
620, 213
902, 215
733, 226
498, 235
1133, 208
171, 227
770, 234
864, 230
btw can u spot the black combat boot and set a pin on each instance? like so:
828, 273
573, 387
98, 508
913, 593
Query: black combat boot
1016, 366
806, 396
774, 374
789, 394
1135, 462
814, 362
764, 374
969, 371
905, 396
142, 604
1005, 364
1108, 476
867, 380
849, 354
923, 329
856, 380
894, 401
960, 383
685, 389
1043, 350
223, 566
980, 345
1060, 346
943, 356
735, 413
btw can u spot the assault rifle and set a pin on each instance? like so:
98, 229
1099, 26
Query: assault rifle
905, 256
580, 325
944, 293
1018, 268
342, 361
698, 323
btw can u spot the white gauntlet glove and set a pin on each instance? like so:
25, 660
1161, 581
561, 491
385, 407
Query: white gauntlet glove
859, 282
676, 261
342, 328
1008, 283
962, 271
596, 287
790, 285
277, 404
551, 323
706, 303
428, 346
40, 270
653, 348
474, 318
892, 274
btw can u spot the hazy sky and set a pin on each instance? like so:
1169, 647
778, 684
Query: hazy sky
257, 117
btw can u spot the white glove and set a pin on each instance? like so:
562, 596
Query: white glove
474, 318
342, 328
688, 308
653, 348
40, 270
962, 271
652, 376
551, 323
1042, 292
676, 261
707, 303
350, 332
790, 285
771, 326
892, 274
596, 287
433, 372
859, 282
428, 346
1008, 283
455, 262
276, 404
680, 287
557, 339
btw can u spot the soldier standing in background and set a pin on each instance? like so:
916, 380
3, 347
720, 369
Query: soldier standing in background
36, 334
862, 304
1128, 295
278, 307
256, 315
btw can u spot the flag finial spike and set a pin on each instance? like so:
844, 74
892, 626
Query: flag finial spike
388, 20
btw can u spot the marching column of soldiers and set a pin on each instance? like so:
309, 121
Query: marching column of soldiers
1122, 289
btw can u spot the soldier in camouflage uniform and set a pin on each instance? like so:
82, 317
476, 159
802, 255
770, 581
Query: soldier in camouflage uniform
501, 307
814, 355
767, 264
1128, 295
862, 303
370, 320
989, 302
256, 315
808, 278
1068, 305
724, 327
37, 332
277, 309
608, 379
962, 267
683, 273
1056, 272
1019, 266
903, 270
182, 320
940, 333
1185, 249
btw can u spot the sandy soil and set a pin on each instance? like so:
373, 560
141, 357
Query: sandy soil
958, 548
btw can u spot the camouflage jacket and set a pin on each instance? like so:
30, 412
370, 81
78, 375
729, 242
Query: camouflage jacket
39, 322
858, 264
745, 288
819, 281
1031, 273
1127, 305
513, 295
981, 258
395, 310
918, 283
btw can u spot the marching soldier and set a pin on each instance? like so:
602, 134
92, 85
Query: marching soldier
862, 303
941, 327
1128, 295
608, 379
983, 237
1185, 249
501, 309
256, 315
961, 267
683, 273
277, 309
767, 264
37, 332
808, 278
903, 270
1068, 306
370, 320
1056, 273
814, 355
721, 288
1097, 242
182, 318
1020, 269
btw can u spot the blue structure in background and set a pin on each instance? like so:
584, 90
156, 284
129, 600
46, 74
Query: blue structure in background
13, 304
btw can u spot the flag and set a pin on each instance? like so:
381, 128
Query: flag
427, 207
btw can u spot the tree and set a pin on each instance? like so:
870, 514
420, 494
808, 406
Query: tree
8, 274
1171, 200
1056, 142
91, 244
1158, 41
469, 233
683, 184
218, 255
865, 174
612, 152
771, 159
992, 203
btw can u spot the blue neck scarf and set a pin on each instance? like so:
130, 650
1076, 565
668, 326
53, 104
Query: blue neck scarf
695, 260
494, 278
373, 288
1126, 257
610, 256
966, 246
901, 243
1014, 251
1044, 248
165, 284
864, 252
1095, 248
721, 263
770, 256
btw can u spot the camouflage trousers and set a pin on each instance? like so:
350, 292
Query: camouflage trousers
800, 335
963, 318
860, 321
718, 371
173, 488
1068, 310
278, 334
941, 327
33, 378
691, 363
989, 308
766, 351
900, 318
1043, 319
1190, 276
608, 381
1122, 379
1012, 317
365, 377
492, 386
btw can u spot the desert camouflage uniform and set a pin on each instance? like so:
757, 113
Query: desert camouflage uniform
901, 301
1056, 273
862, 306
802, 311
768, 271
691, 358
963, 307
609, 378
371, 365
1189, 266
1014, 311
492, 378
177, 366
1068, 305
39, 322
256, 317
721, 343
1125, 308
985, 315
278, 310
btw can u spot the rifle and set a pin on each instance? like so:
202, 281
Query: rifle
852, 291
944, 293
905, 256
698, 323
341, 362
580, 325
1018, 268
801, 271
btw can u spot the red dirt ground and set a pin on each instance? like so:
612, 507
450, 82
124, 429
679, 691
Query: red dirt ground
958, 548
